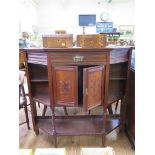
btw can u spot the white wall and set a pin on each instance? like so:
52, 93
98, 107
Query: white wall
63, 14
27, 15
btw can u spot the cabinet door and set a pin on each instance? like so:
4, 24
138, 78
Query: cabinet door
93, 87
65, 84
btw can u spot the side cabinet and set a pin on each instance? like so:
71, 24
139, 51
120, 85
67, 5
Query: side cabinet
76, 77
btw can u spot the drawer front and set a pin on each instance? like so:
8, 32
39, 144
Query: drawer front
78, 58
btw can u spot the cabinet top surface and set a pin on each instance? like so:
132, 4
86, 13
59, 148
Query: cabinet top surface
74, 49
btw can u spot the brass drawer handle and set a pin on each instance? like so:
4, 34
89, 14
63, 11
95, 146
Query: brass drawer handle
78, 58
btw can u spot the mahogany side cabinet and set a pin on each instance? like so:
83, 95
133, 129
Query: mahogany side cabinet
77, 77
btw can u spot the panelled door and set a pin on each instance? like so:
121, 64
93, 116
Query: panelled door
93, 86
65, 83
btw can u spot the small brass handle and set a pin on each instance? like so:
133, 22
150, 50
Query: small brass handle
78, 58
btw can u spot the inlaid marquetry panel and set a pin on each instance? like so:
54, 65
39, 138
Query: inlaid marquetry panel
65, 85
93, 86
58, 41
91, 41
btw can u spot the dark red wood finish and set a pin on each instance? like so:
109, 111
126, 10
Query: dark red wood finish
93, 87
55, 65
65, 85
130, 114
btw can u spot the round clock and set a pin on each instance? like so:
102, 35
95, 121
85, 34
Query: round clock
104, 16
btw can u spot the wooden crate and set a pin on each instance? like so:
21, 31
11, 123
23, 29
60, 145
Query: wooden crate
92, 40
58, 41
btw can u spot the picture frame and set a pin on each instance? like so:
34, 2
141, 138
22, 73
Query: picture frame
127, 30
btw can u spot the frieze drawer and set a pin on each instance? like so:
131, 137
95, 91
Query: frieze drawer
78, 58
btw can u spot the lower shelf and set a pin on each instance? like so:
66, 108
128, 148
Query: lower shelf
78, 125
42, 98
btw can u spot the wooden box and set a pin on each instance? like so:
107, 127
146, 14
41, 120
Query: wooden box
92, 40
60, 31
58, 41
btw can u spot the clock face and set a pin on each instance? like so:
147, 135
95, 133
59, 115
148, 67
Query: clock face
104, 16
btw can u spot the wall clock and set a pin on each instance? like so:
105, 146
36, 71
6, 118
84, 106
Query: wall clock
104, 16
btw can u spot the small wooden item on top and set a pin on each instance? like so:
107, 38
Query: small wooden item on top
92, 40
58, 41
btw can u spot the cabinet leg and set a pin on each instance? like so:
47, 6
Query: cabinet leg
116, 106
122, 115
37, 132
38, 104
103, 140
26, 114
65, 110
55, 141
44, 110
110, 109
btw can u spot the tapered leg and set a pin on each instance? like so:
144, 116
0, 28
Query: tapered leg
55, 140
116, 106
122, 115
44, 110
65, 110
110, 109
103, 140
38, 104
37, 132
26, 114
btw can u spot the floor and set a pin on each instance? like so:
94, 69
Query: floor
28, 140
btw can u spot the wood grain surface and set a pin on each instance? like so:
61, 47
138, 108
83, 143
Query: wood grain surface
28, 140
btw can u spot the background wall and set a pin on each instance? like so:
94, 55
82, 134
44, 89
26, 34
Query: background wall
63, 14
46, 16
27, 15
